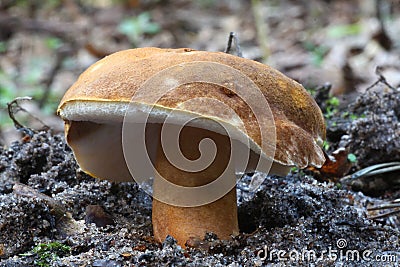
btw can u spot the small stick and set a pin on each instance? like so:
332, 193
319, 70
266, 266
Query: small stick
233, 38
385, 206
381, 79
373, 170
14, 107
390, 213
391, 205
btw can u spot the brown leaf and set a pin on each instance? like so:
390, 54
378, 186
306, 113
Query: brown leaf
335, 167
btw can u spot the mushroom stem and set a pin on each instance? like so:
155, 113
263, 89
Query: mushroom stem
219, 217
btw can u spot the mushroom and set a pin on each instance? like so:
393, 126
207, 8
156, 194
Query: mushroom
218, 119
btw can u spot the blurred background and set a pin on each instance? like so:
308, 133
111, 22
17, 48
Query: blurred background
45, 45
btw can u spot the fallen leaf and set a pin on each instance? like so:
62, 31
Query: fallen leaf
335, 167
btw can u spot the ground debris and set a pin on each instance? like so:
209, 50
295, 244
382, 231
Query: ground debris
374, 136
289, 213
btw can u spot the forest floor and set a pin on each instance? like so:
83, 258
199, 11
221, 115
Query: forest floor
49, 208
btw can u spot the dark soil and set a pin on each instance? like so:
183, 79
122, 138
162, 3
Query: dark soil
294, 213
374, 136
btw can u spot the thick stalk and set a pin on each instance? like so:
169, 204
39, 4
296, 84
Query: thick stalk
219, 217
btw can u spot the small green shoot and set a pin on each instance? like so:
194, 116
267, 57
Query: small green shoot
352, 158
333, 101
325, 145
332, 105
352, 116
294, 169
53, 42
47, 253
311, 91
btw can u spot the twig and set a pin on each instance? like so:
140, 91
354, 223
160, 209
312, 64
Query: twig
381, 79
385, 206
383, 170
233, 38
14, 107
373, 170
390, 213
395, 204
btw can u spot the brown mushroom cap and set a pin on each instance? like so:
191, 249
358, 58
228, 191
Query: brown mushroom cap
103, 92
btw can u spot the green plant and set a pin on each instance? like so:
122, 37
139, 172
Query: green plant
332, 105
47, 253
3, 47
352, 116
53, 42
311, 91
135, 27
317, 52
325, 145
352, 158
339, 31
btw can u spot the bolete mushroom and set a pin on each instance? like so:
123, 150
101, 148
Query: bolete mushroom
95, 109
